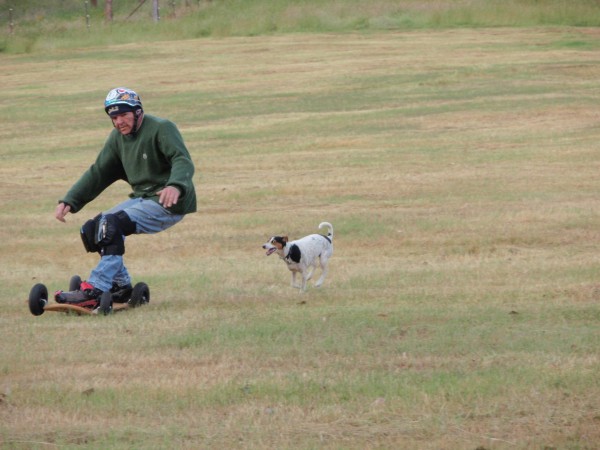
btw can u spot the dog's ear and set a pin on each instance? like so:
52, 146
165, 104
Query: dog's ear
279, 241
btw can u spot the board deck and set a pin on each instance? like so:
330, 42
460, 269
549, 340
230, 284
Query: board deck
64, 307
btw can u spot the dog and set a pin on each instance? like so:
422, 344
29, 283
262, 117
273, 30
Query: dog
302, 255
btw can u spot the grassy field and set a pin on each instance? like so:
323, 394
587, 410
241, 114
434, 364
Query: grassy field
460, 171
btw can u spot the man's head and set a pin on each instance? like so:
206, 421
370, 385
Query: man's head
124, 107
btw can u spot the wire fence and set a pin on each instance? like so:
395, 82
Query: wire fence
13, 13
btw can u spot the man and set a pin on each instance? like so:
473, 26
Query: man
149, 153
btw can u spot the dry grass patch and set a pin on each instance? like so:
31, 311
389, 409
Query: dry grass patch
459, 171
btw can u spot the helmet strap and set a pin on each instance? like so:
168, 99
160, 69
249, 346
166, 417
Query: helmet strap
138, 117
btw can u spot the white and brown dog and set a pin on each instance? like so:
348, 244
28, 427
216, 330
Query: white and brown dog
303, 254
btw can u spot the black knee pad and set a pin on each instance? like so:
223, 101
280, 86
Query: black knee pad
88, 235
127, 225
111, 232
110, 238
105, 233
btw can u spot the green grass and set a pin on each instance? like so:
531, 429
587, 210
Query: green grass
41, 26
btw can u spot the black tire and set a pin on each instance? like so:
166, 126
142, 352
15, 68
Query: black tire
105, 303
140, 295
38, 298
75, 283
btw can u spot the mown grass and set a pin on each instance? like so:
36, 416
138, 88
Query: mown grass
459, 170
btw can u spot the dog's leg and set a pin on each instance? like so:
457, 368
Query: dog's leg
294, 279
323, 262
305, 278
310, 271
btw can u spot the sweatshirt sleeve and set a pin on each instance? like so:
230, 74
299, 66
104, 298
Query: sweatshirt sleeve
105, 171
182, 166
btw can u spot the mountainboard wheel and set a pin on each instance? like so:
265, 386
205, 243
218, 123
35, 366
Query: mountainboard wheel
140, 295
105, 306
38, 298
75, 283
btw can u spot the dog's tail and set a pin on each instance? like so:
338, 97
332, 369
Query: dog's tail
330, 229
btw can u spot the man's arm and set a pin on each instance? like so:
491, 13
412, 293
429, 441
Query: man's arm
168, 196
105, 171
182, 166
62, 209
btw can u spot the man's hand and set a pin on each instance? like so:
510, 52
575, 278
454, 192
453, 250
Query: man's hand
62, 209
168, 196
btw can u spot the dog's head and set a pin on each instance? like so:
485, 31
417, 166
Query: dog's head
276, 243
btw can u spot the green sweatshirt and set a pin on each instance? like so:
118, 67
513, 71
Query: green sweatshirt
152, 159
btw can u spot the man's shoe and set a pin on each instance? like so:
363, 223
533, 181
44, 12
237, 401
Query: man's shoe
121, 294
86, 292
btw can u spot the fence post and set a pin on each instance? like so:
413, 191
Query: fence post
87, 15
11, 24
108, 11
155, 10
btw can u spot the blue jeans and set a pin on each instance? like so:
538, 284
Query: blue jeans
149, 217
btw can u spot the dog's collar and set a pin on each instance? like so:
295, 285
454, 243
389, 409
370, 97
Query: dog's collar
287, 258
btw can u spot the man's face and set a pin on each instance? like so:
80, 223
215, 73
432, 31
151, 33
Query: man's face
123, 122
